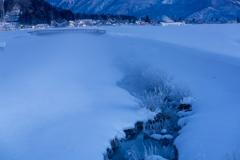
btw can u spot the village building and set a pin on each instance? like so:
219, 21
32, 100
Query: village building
73, 24
138, 22
9, 27
26, 27
41, 26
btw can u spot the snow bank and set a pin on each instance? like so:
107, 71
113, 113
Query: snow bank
155, 157
184, 114
159, 136
59, 98
207, 56
3, 44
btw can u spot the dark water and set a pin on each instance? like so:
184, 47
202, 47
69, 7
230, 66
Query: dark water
139, 146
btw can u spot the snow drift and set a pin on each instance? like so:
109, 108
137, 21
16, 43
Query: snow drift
59, 98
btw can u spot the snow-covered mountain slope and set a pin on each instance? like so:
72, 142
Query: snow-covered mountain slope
59, 98
156, 8
218, 9
206, 13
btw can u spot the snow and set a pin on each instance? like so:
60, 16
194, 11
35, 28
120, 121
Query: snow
167, 2
164, 131
155, 157
121, 135
172, 23
187, 100
159, 136
184, 114
41, 25
3, 44
59, 98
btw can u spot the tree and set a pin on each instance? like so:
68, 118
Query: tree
147, 19
39, 11
238, 20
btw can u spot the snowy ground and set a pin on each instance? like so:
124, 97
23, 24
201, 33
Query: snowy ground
59, 98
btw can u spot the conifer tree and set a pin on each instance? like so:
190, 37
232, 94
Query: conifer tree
238, 20
147, 19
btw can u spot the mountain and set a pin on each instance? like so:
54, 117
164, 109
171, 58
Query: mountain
156, 8
34, 12
53, 2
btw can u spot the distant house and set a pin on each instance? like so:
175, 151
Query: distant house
104, 22
54, 24
223, 21
28, 27
73, 24
138, 22
109, 22
121, 22
112, 21
172, 24
9, 26
98, 21
87, 21
232, 21
1, 26
79, 23
141, 23
41, 26
64, 24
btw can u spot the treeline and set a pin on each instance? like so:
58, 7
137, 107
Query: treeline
38, 11
104, 16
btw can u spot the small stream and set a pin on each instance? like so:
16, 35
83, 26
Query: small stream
153, 137
138, 142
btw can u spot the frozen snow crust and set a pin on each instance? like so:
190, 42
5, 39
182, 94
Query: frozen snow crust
59, 98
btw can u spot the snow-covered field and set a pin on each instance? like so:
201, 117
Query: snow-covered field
59, 98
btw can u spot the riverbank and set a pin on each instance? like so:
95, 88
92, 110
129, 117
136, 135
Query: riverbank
59, 98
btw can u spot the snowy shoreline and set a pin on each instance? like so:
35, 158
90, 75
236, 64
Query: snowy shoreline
54, 87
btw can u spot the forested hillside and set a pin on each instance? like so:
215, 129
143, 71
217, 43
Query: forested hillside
36, 11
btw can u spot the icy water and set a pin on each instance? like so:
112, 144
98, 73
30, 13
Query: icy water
138, 146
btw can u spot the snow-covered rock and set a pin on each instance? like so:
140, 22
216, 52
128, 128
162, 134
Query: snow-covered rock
164, 131
159, 136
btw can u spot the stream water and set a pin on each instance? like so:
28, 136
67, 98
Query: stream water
139, 144
140, 141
